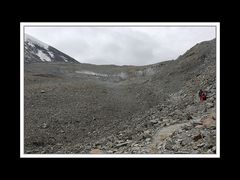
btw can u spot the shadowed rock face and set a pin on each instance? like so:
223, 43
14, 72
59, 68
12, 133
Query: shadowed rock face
85, 108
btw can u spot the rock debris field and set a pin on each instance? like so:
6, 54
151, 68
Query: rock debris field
74, 108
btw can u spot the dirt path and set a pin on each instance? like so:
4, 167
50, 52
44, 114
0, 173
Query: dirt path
161, 135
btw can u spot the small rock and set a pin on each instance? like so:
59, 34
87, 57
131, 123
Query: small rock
44, 125
214, 117
209, 151
147, 132
195, 147
159, 146
169, 145
183, 143
163, 124
196, 122
199, 126
197, 137
177, 111
179, 140
214, 149
148, 139
165, 120
189, 116
96, 151
42, 91
208, 146
153, 121
123, 144
97, 143
200, 145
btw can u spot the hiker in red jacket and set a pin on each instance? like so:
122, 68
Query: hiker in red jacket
202, 95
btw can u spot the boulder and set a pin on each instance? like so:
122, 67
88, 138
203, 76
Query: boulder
197, 137
154, 121
96, 151
147, 132
199, 126
200, 145
209, 122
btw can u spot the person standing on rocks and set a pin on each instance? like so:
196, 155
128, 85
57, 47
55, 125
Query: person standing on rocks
202, 95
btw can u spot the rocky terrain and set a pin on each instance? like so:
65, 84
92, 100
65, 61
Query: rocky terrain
85, 108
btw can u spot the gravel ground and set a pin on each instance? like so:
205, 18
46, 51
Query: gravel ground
121, 109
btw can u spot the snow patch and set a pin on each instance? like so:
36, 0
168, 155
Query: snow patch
64, 58
51, 54
43, 56
31, 44
92, 73
31, 40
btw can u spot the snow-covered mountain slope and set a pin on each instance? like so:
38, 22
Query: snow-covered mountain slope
37, 51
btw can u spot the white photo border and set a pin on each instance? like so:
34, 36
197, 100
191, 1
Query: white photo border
121, 24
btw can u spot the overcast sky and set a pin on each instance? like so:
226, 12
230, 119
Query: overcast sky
122, 45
